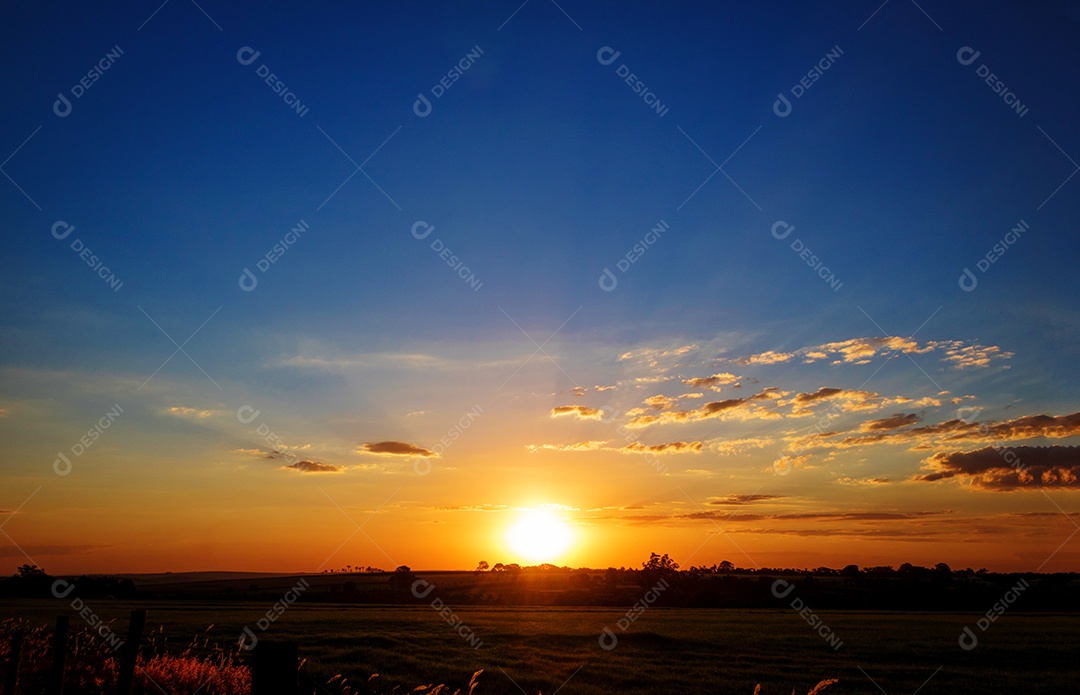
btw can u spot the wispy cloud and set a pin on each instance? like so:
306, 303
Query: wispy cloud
392, 448
862, 350
714, 382
579, 411
314, 467
590, 445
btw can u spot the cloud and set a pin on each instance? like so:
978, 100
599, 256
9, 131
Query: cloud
869, 524
416, 413
785, 464
713, 382
578, 391
672, 447
183, 411
731, 408
963, 356
269, 454
1012, 468
801, 399
660, 402
580, 411
731, 447
769, 393
396, 449
315, 467
652, 357
767, 357
890, 423
851, 400
1027, 427
590, 445
863, 481
754, 407
744, 499
862, 350
634, 447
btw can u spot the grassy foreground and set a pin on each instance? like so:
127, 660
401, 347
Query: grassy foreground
664, 650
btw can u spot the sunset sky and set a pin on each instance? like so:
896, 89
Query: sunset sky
625, 271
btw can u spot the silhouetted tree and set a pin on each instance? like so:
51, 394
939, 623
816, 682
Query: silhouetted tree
29, 571
401, 580
656, 568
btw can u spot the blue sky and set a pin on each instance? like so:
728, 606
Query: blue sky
539, 168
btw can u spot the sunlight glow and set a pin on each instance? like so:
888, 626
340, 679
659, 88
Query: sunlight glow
539, 535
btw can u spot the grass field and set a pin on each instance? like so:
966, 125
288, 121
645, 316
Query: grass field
665, 650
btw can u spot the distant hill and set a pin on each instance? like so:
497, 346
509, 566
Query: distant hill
163, 578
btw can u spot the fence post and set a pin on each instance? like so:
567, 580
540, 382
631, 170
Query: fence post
55, 684
130, 652
11, 671
274, 668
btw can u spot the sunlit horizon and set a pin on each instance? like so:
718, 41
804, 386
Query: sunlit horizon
776, 286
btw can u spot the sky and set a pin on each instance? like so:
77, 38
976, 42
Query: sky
299, 289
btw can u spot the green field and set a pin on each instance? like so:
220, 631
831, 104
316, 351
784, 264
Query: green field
665, 650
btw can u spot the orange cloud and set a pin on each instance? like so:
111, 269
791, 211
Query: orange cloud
862, 350
713, 382
314, 467
890, 423
581, 411
673, 447
1012, 468
396, 449
590, 445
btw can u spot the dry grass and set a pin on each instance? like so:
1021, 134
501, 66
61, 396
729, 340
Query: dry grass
813, 691
200, 666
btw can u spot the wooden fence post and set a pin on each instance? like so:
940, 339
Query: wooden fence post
274, 668
130, 652
11, 669
55, 685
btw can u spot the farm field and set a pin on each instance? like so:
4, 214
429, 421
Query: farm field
665, 650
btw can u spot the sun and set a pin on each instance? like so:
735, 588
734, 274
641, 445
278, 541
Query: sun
539, 535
